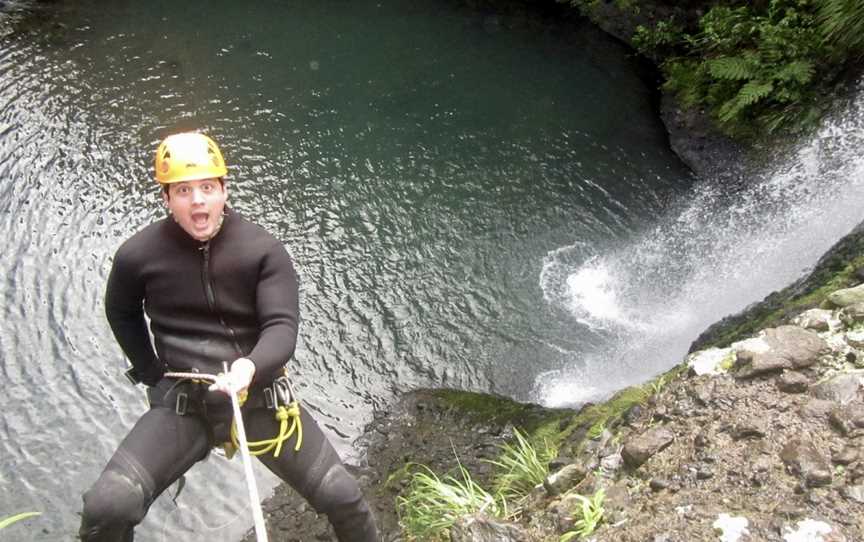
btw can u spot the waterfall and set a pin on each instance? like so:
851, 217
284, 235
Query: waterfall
713, 253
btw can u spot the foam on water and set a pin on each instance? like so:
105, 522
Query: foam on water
711, 255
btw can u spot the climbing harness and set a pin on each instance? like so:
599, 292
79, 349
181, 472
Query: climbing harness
279, 397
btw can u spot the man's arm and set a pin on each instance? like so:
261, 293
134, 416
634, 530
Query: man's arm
124, 297
278, 313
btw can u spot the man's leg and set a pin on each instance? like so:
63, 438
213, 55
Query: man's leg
317, 473
160, 448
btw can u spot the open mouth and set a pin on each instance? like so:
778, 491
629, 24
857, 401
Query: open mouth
200, 219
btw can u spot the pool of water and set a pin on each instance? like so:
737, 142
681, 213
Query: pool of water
421, 161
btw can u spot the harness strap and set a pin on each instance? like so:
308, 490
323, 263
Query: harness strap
288, 411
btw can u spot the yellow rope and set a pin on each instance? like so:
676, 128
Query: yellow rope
283, 415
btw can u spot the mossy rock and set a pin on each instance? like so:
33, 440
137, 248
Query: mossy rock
840, 267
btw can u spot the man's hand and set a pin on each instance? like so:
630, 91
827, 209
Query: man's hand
237, 379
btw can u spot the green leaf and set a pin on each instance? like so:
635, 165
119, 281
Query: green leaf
754, 91
731, 68
800, 71
17, 517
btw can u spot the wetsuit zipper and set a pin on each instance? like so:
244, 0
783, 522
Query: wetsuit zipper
211, 297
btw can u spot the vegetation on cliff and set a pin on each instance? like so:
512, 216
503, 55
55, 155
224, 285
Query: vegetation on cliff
756, 67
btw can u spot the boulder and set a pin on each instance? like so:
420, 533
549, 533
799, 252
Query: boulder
847, 296
749, 428
849, 418
566, 478
802, 458
815, 319
854, 493
788, 347
855, 338
792, 382
640, 449
852, 314
817, 408
842, 388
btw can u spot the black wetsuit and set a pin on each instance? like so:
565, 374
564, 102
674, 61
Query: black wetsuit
234, 296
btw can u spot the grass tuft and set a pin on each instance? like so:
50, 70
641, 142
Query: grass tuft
590, 514
17, 517
433, 504
522, 467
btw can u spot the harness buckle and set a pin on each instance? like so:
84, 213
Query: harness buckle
182, 403
269, 398
282, 390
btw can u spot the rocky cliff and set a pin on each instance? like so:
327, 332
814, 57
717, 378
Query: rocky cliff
757, 436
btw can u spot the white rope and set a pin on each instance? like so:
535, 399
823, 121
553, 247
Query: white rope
192, 376
257, 515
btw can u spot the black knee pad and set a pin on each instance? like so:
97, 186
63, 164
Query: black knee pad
336, 489
116, 500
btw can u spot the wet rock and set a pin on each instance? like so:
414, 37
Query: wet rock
640, 449
564, 479
847, 296
815, 319
852, 314
789, 347
803, 458
847, 419
792, 382
842, 388
483, 529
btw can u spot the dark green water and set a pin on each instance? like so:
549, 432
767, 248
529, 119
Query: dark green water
420, 160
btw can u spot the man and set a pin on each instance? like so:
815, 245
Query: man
216, 288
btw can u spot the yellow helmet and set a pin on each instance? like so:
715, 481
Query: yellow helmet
188, 157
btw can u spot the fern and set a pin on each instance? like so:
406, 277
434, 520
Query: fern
748, 64
754, 91
730, 68
800, 71
842, 23
729, 112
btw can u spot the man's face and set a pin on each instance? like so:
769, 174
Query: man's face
197, 206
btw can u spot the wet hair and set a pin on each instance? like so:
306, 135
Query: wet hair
167, 187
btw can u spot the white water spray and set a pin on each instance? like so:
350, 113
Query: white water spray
707, 258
